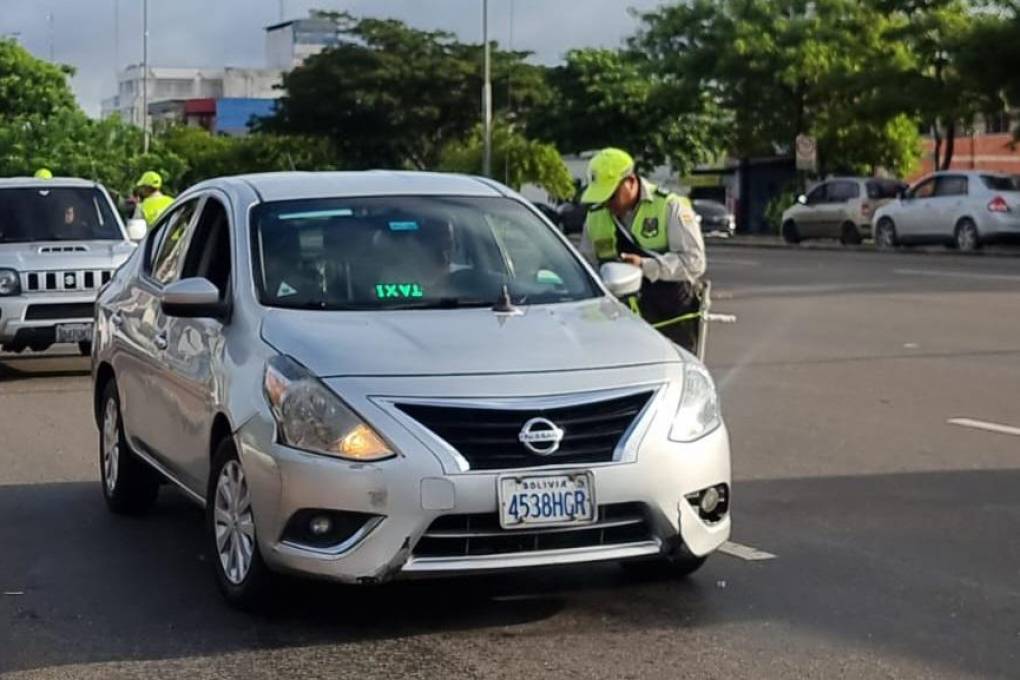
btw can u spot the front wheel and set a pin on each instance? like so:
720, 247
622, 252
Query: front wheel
790, 232
130, 486
885, 234
242, 576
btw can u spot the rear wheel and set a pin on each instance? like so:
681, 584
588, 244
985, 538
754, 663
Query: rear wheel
790, 232
849, 236
242, 576
885, 234
967, 238
130, 486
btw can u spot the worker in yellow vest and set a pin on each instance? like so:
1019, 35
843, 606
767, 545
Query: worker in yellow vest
634, 221
153, 201
43, 173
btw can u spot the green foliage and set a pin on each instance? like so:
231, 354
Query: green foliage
392, 96
777, 205
521, 160
611, 98
30, 86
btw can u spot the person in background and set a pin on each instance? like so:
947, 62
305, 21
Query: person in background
153, 200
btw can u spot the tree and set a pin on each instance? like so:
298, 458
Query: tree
779, 68
30, 86
392, 96
525, 161
612, 98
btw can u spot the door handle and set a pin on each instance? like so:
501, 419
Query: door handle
160, 341
117, 319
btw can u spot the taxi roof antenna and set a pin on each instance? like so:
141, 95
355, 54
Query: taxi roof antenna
504, 305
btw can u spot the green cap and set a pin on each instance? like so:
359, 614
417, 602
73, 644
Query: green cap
150, 179
43, 173
606, 170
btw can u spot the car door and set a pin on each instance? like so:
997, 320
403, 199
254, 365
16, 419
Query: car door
916, 210
810, 218
948, 205
141, 331
840, 195
192, 366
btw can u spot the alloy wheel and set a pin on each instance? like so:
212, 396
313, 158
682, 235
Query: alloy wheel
234, 523
111, 446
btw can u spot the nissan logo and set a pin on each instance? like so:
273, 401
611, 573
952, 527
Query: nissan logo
541, 436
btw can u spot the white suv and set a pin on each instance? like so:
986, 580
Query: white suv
60, 242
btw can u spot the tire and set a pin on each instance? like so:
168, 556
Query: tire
679, 564
241, 574
129, 485
85, 348
966, 238
849, 235
885, 234
790, 232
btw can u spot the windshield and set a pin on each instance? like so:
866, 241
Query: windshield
407, 252
57, 214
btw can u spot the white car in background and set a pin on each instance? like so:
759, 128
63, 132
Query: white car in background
963, 209
840, 208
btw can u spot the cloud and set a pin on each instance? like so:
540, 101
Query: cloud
231, 32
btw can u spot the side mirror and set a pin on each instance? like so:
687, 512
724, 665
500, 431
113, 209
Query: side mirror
136, 229
621, 279
802, 199
193, 298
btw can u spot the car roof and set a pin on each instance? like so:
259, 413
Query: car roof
279, 186
971, 173
33, 183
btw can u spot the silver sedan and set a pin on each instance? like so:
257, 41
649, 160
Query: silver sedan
366, 376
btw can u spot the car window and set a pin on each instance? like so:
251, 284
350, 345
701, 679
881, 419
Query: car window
169, 246
818, 194
1000, 183
396, 252
57, 214
881, 189
925, 189
951, 185
209, 254
843, 191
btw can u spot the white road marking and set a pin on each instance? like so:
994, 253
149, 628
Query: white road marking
956, 275
745, 552
983, 425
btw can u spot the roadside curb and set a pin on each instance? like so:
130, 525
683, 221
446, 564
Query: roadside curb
937, 251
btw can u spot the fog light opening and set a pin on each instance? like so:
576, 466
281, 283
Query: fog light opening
320, 525
711, 502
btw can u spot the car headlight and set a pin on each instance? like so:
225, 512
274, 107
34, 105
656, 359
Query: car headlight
10, 282
698, 413
309, 416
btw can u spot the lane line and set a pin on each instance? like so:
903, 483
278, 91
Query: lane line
956, 275
984, 425
745, 552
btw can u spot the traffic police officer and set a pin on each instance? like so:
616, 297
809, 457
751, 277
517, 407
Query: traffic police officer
634, 221
153, 202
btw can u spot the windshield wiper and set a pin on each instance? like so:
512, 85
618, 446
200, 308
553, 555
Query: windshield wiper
441, 303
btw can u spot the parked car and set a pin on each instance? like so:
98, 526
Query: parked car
572, 217
963, 209
839, 208
715, 218
60, 241
367, 376
550, 213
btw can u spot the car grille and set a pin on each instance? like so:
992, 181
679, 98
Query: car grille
488, 438
480, 534
65, 280
78, 310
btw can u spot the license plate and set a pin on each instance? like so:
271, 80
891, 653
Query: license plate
546, 500
74, 332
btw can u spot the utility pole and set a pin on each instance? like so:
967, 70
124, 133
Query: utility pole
145, 76
49, 22
116, 39
283, 11
486, 95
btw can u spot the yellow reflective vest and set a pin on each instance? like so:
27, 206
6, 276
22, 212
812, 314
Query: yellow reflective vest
153, 207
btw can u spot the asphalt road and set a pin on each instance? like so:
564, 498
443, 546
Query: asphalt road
894, 531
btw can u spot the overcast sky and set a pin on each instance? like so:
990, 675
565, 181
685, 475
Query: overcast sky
230, 32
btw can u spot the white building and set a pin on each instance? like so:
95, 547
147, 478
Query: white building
288, 44
166, 84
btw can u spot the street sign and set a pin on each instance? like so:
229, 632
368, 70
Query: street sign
807, 153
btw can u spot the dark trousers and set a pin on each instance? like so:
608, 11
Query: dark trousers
661, 302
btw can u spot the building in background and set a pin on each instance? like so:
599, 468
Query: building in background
288, 44
988, 145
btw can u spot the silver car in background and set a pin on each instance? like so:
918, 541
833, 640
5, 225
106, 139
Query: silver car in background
60, 241
839, 208
962, 209
368, 376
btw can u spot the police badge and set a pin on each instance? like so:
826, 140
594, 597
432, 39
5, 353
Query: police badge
650, 227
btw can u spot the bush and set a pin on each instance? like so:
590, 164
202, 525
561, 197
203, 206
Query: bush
775, 208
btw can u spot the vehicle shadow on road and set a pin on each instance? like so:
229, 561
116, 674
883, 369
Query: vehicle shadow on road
29, 366
916, 566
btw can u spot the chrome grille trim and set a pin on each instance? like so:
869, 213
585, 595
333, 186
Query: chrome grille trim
64, 280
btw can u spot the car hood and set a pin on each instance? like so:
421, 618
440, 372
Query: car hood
587, 335
49, 255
